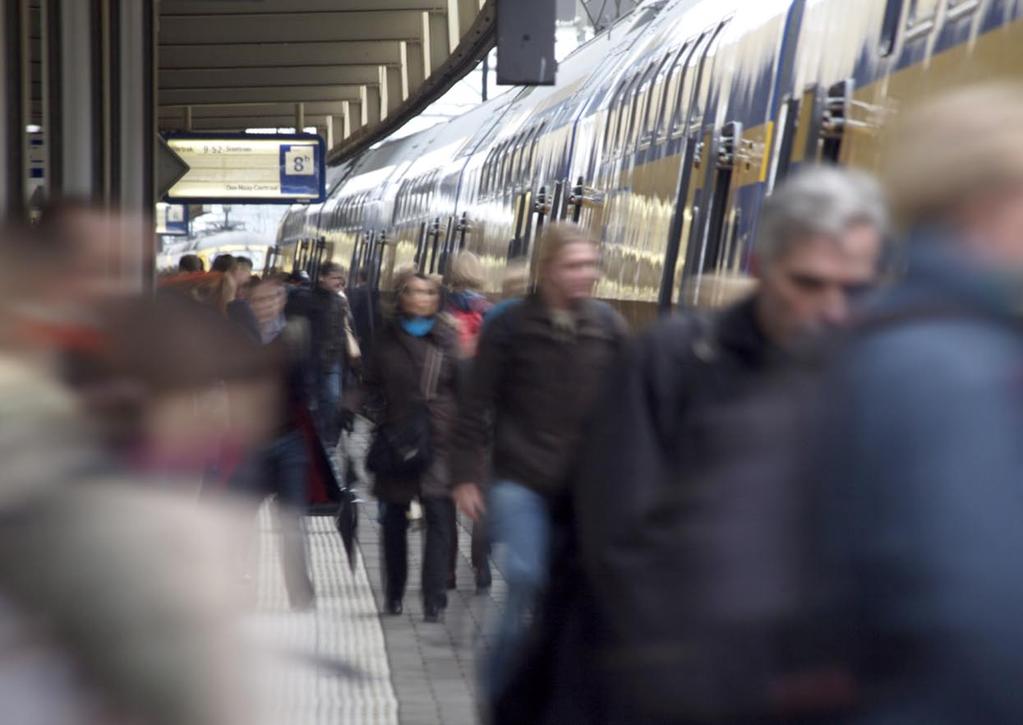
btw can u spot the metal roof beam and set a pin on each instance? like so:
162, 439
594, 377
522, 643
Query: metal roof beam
170, 8
321, 27
254, 55
270, 94
249, 110
242, 123
246, 78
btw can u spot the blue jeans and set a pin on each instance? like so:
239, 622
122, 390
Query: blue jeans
328, 400
281, 468
519, 522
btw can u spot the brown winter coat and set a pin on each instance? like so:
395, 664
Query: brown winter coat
395, 383
535, 385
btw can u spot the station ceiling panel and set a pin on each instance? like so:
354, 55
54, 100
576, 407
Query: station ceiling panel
354, 69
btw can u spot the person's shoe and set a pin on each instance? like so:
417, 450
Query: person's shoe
432, 613
394, 607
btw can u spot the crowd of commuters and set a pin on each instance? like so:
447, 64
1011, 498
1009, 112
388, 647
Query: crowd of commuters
801, 507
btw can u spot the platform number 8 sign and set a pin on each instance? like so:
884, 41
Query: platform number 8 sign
298, 161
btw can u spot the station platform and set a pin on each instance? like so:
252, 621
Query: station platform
345, 663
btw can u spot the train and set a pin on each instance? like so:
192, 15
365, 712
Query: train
661, 136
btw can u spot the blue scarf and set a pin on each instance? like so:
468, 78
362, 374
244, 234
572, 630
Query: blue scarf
417, 326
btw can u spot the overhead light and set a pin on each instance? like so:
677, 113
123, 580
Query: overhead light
33, 128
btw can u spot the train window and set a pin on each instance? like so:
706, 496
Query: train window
530, 156
626, 114
636, 108
656, 106
921, 12
501, 163
515, 163
683, 101
702, 90
610, 127
675, 76
645, 89
890, 27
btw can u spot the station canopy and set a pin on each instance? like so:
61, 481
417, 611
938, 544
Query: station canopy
355, 70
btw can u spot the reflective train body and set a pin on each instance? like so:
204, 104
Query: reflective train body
662, 136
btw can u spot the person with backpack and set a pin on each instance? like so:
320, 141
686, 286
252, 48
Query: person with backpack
533, 383
466, 306
922, 501
686, 465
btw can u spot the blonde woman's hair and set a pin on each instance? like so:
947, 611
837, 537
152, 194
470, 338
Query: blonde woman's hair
948, 151
555, 238
465, 272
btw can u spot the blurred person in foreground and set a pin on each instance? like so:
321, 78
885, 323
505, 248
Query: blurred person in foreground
116, 599
280, 467
332, 355
927, 408
466, 306
535, 378
688, 481
411, 383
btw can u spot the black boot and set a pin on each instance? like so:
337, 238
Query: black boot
394, 607
432, 612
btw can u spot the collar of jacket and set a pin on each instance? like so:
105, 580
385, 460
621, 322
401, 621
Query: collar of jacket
738, 331
587, 317
938, 269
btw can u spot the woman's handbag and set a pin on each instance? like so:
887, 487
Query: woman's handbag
403, 449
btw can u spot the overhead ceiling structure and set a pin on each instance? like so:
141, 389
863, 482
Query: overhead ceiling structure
354, 69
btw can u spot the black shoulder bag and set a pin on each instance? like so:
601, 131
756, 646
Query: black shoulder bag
403, 449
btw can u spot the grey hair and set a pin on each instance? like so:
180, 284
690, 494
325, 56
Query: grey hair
819, 201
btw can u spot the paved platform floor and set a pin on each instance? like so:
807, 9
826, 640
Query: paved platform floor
345, 663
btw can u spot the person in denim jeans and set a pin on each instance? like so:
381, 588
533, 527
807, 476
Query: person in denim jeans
538, 368
280, 467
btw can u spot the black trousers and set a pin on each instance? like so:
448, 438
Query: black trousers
440, 536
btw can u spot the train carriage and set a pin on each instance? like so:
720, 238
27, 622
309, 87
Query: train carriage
662, 136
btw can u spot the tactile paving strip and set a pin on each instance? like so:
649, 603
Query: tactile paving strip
331, 665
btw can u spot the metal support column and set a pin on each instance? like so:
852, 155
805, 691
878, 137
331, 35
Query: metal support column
78, 119
134, 136
15, 66
299, 117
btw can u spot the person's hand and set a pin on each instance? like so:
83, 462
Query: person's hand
469, 500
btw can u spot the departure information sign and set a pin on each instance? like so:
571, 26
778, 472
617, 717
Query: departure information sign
260, 169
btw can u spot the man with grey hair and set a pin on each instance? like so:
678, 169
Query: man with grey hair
692, 425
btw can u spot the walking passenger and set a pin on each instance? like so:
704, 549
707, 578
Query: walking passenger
190, 263
280, 467
536, 375
687, 484
925, 480
411, 383
465, 304
327, 313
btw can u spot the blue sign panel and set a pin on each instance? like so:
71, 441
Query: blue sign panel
300, 170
